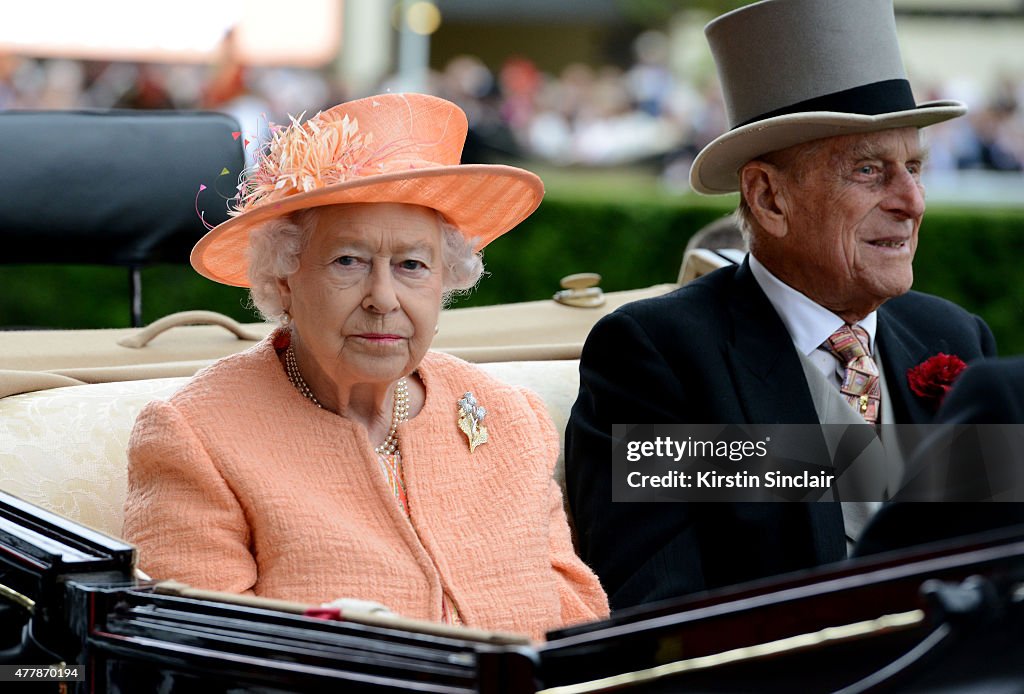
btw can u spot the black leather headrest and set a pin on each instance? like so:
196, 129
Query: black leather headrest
112, 187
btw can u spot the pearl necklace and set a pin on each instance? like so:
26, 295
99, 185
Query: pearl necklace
291, 367
399, 414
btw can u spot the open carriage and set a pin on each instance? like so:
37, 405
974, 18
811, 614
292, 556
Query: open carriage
75, 614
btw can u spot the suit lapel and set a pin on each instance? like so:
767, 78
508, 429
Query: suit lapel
772, 388
769, 380
900, 351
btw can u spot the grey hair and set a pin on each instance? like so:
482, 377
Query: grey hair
275, 246
743, 217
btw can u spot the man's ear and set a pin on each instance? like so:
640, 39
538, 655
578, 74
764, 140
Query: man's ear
761, 187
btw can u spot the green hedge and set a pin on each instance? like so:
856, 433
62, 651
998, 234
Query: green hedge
971, 256
974, 258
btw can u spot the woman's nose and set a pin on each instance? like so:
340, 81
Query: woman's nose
380, 294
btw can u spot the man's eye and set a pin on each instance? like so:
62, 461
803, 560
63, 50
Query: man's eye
867, 169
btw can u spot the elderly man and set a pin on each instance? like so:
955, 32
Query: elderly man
825, 152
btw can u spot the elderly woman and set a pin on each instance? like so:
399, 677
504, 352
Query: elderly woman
339, 457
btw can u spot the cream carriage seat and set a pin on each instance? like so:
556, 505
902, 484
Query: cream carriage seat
65, 448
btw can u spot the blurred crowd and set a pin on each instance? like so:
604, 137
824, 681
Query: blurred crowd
584, 115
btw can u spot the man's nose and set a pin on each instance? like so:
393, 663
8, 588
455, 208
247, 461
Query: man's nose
906, 195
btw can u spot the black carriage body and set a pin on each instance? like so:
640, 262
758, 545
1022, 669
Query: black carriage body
944, 617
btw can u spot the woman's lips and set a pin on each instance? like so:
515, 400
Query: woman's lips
380, 337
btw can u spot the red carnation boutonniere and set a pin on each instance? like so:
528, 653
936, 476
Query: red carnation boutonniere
931, 379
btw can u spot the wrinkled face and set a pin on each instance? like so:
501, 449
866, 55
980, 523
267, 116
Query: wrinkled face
365, 300
851, 220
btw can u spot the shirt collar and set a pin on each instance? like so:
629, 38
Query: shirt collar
809, 324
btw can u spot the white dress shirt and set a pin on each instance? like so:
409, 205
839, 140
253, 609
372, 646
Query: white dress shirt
809, 324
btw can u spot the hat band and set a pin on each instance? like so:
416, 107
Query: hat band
887, 96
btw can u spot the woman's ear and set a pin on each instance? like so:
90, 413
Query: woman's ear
284, 290
761, 188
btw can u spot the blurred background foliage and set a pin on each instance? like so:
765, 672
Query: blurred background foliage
631, 233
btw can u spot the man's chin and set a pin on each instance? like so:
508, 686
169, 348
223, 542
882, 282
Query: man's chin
854, 311
896, 284
888, 293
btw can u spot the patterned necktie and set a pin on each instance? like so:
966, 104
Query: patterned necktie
860, 385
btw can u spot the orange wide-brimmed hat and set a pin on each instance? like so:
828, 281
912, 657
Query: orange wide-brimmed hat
387, 148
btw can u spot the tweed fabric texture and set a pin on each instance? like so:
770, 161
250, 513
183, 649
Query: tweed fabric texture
239, 483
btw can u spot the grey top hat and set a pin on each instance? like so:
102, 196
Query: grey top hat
793, 71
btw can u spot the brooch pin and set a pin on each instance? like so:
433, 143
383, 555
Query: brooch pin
471, 421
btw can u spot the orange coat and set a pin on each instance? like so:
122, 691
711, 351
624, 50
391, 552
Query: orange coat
238, 483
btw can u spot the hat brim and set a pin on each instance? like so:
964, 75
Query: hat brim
715, 170
482, 200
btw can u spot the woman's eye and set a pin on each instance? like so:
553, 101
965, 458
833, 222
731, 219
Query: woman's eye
412, 265
347, 260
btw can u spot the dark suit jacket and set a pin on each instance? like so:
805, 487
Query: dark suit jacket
715, 352
990, 392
